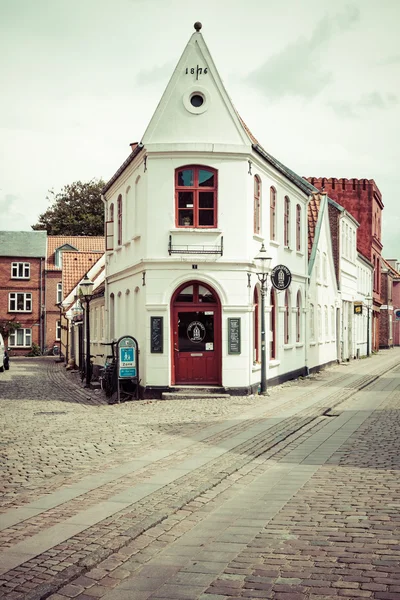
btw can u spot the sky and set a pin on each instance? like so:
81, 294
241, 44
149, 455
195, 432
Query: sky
316, 81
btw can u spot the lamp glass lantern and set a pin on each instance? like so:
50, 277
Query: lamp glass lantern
86, 287
86, 291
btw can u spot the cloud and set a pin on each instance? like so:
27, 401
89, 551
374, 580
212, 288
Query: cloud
394, 59
296, 69
155, 74
372, 100
12, 215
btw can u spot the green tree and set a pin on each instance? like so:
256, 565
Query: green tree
76, 210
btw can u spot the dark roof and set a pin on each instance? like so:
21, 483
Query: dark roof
304, 185
24, 244
122, 168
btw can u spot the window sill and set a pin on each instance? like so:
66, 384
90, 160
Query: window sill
288, 248
136, 237
20, 311
21, 278
208, 230
274, 362
118, 249
299, 344
128, 243
313, 343
288, 347
274, 243
258, 237
256, 367
299, 253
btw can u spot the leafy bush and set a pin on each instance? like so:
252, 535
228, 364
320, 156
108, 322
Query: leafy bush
34, 351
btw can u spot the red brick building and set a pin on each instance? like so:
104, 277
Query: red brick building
22, 287
92, 247
390, 295
363, 200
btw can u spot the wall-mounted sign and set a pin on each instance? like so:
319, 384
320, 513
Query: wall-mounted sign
281, 277
358, 306
234, 335
196, 331
397, 314
156, 333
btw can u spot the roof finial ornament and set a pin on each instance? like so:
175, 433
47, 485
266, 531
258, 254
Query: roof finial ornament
198, 26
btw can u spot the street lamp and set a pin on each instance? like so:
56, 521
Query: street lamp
263, 263
368, 300
86, 289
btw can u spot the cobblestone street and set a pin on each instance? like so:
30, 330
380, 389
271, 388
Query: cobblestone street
294, 496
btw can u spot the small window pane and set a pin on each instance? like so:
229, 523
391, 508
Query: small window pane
205, 295
185, 177
206, 217
206, 199
206, 178
186, 295
20, 337
185, 199
186, 218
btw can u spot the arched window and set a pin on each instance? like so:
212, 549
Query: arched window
272, 213
312, 322
333, 327
257, 204
298, 227
110, 228
272, 326
256, 325
119, 209
317, 266
324, 267
326, 322
298, 317
286, 320
111, 212
112, 317
286, 222
196, 197
319, 323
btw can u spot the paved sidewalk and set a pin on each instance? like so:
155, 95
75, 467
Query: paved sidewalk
200, 459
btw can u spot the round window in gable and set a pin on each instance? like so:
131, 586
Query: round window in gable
196, 100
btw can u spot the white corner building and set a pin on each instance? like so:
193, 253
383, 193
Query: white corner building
186, 214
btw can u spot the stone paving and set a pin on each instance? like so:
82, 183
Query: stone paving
133, 520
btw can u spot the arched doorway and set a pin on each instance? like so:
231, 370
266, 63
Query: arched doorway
196, 335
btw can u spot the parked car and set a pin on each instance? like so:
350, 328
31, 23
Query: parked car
4, 357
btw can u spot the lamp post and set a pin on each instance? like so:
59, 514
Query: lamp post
368, 300
86, 289
263, 263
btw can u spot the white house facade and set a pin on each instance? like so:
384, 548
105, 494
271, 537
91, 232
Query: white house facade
186, 214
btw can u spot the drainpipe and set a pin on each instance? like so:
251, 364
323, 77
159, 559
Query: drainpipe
306, 367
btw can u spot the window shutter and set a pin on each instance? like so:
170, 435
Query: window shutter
109, 235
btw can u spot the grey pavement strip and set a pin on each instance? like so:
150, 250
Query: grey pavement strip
216, 539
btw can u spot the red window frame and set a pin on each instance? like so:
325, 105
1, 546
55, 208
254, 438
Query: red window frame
286, 320
257, 204
298, 227
298, 317
272, 213
286, 222
119, 212
196, 190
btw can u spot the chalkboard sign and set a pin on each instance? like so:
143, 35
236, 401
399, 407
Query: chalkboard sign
234, 336
156, 327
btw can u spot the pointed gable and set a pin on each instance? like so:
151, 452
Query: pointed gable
75, 265
195, 107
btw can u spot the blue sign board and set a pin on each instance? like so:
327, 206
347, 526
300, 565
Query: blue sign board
127, 357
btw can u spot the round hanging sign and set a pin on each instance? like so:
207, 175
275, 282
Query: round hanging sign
397, 314
196, 331
281, 277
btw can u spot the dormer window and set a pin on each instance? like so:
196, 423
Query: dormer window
196, 197
58, 254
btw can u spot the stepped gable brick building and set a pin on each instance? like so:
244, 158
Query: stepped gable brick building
22, 257
363, 200
390, 296
92, 247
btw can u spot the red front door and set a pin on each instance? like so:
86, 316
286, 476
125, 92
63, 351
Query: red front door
196, 326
